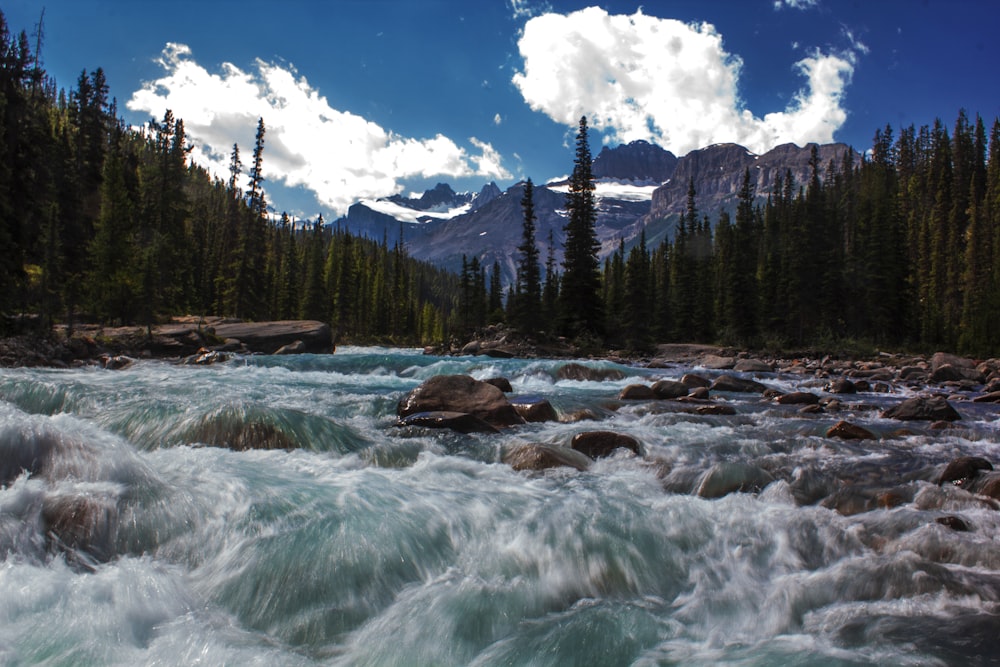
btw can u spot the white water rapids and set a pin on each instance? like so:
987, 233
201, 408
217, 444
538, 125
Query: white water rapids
126, 539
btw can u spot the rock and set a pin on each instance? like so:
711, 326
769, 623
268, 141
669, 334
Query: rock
953, 522
497, 353
534, 409
798, 398
987, 484
460, 393
811, 409
636, 392
752, 366
716, 363
700, 393
599, 444
730, 477
471, 348
944, 359
841, 386
949, 373
668, 389
924, 408
295, 347
503, 384
959, 471
692, 381
583, 373
266, 337
715, 409
848, 431
461, 422
542, 457
205, 357
84, 523
731, 383
991, 397
117, 362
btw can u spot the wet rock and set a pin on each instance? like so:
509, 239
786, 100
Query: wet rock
862, 385
535, 457
923, 408
580, 372
953, 522
848, 431
503, 384
460, 393
115, 363
881, 388
734, 384
636, 392
731, 477
813, 409
945, 359
295, 347
241, 430
991, 397
460, 422
82, 526
987, 484
959, 471
599, 444
498, 353
715, 409
752, 366
700, 393
471, 348
692, 381
534, 409
798, 398
668, 389
205, 357
715, 362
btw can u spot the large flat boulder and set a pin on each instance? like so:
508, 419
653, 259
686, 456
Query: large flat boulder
460, 393
269, 337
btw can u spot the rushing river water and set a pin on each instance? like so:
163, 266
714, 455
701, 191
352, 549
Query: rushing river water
376, 545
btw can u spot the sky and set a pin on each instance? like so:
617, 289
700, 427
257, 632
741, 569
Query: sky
369, 98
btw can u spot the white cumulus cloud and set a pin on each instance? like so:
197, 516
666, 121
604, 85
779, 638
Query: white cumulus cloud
339, 156
667, 82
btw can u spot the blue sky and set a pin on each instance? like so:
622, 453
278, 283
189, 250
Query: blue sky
367, 98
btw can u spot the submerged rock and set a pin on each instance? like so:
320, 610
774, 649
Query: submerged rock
542, 457
83, 526
730, 477
580, 372
923, 408
460, 393
599, 444
462, 422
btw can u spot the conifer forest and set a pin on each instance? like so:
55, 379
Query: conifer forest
894, 247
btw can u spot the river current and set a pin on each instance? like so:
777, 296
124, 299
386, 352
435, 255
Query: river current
370, 544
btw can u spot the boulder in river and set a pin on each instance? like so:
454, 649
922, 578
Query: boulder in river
959, 471
798, 398
461, 422
923, 408
83, 526
598, 444
534, 409
460, 393
668, 389
636, 392
848, 431
541, 457
574, 371
730, 477
735, 384
501, 383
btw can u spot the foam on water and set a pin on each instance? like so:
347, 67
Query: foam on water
130, 534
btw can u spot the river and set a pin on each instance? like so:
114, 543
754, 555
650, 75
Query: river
369, 544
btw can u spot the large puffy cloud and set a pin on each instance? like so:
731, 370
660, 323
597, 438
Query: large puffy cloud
337, 155
668, 82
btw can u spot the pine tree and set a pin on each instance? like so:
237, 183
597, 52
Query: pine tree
580, 306
528, 291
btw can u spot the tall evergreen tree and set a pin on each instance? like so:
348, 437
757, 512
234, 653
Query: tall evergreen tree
528, 290
580, 306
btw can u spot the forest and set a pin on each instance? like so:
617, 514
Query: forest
105, 222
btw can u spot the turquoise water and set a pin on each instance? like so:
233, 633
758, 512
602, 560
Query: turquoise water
354, 542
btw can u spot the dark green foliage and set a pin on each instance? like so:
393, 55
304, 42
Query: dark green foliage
580, 303
526, 303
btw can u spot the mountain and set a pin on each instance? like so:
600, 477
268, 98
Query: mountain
638, 187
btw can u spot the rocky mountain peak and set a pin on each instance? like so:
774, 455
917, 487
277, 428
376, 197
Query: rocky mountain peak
635, 161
